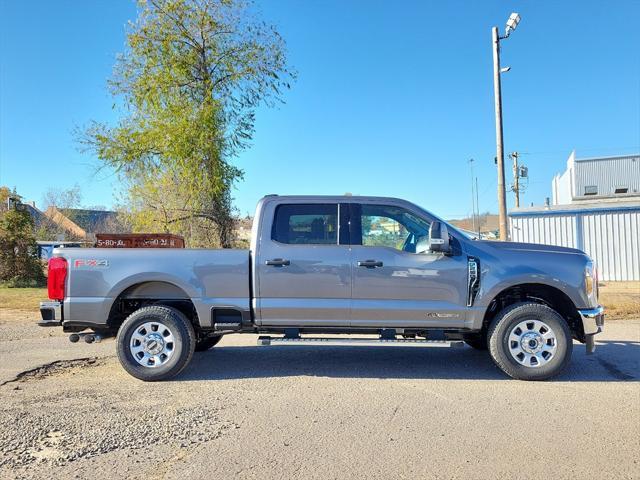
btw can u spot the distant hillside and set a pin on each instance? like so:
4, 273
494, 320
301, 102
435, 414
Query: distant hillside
488, 223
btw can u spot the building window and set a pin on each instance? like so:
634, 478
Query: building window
621, 190
591, 190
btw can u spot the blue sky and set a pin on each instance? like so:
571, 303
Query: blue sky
393, 98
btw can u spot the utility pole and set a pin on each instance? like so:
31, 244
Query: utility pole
497, 91
512, 23
473, 197
478, 207
516, 178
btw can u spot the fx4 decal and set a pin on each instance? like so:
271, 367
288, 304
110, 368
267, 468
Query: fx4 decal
92, 262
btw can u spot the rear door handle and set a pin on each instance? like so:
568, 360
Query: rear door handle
369, 263
278, 262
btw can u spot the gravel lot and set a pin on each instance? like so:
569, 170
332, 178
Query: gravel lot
241, 411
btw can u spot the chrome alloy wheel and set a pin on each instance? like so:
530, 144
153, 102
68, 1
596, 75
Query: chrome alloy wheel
532, 343
152, 344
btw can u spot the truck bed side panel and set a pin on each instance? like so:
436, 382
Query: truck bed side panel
210, 278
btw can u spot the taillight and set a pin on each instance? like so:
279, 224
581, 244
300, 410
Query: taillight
57, 277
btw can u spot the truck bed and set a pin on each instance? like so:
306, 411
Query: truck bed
97, 276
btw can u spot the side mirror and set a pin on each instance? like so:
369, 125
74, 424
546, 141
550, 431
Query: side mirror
439, 238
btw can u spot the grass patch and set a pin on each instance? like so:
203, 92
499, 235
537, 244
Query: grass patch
23, 299
621, 299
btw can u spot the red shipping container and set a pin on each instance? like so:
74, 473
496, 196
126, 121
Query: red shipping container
139, 240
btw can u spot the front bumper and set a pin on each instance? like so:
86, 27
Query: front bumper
51, 313
592, 324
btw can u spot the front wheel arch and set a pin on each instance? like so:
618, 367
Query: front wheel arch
538, 293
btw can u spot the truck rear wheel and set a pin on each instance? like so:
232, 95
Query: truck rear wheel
155, 343
530, 341
206, 343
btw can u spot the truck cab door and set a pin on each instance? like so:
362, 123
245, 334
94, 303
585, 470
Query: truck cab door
395, 287
303, 269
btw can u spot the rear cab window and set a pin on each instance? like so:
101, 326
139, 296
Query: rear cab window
306, 224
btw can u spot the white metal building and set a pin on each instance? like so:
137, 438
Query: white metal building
590, 179
609, 232
596, 208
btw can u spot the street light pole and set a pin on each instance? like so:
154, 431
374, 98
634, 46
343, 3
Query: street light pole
497, 90
512, 23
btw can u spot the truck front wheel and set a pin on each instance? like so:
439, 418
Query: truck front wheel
530, 341
155, 343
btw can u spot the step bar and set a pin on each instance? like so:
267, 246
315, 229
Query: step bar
266, 341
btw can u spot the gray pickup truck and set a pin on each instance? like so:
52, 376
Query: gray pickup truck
382, 269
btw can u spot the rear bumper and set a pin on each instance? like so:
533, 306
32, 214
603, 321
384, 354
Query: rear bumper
592, 324
51, 313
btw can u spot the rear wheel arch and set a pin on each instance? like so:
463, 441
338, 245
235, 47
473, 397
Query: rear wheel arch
147, 293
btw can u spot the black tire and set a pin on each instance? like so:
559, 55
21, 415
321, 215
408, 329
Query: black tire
207, 342
500, 347
182, 344
476, 340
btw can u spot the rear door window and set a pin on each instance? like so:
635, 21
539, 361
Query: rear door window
306, 224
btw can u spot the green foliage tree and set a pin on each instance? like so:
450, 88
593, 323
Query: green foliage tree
192, 75
19, 265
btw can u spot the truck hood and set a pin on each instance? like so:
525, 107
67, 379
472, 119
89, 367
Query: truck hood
525, 247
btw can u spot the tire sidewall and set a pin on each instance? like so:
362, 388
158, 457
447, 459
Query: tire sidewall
183, 342
499, 341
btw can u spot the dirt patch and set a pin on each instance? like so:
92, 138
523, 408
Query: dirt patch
55, 423
59, 367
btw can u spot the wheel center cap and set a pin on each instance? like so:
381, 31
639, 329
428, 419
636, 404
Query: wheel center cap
531, 342
153, 344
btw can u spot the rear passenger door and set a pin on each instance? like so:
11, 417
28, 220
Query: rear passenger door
303, 269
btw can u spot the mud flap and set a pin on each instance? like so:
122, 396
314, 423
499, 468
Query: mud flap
590, 343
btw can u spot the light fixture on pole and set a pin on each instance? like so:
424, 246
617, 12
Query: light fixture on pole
512, 23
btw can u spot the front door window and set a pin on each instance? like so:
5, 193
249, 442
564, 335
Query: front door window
394, 227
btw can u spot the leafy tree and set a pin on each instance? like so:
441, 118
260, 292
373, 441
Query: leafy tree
5, 193
19, 265
158, 202
192, 75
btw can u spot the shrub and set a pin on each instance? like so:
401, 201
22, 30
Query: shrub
19, 265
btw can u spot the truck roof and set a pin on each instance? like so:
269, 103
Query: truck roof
332, 198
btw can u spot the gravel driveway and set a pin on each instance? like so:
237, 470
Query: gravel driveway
241, 411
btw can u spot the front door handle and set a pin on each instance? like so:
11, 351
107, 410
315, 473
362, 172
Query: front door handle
278, 262
369, 263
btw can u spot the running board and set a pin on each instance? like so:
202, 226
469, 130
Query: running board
358, 342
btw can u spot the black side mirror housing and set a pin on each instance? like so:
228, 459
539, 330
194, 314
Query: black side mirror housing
439, 238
